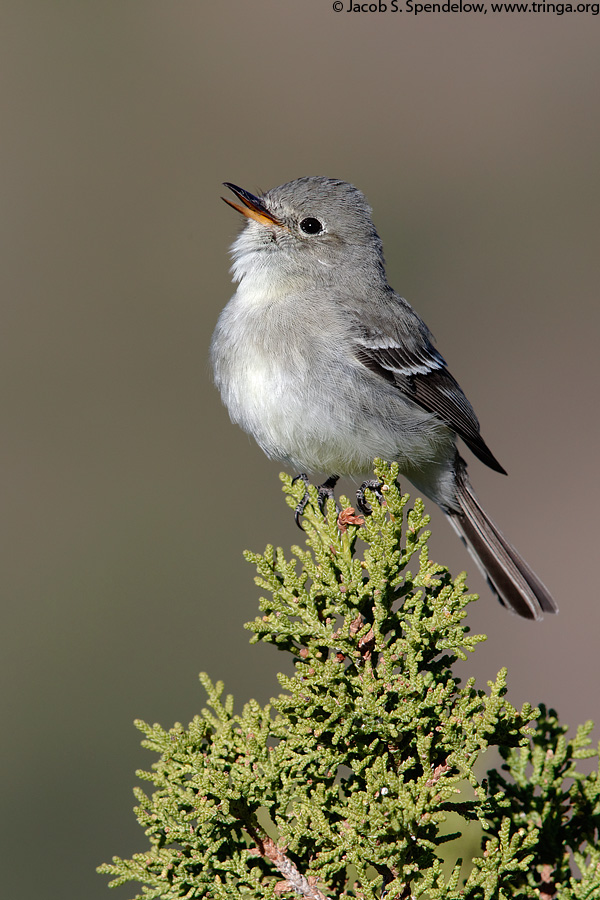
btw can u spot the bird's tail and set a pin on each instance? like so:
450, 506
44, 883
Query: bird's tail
516, 586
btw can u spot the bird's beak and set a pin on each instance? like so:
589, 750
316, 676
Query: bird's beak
253, 207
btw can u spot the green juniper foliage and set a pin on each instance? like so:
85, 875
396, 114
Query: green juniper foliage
340, 787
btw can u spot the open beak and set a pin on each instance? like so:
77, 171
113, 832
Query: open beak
253, 207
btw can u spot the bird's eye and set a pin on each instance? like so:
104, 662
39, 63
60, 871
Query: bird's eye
311, 226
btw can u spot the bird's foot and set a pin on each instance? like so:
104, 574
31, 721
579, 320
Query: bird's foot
361, 501
302, 505
325, 492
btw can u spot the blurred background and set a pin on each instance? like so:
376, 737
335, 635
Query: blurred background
127, 496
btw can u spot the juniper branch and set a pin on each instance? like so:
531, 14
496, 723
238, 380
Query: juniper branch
369, 746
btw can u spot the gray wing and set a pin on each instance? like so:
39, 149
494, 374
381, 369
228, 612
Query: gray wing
404, 355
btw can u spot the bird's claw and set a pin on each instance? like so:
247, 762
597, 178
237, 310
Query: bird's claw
325, 492
361, 501
302, 505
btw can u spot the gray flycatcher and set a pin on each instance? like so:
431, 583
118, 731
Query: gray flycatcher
327, 367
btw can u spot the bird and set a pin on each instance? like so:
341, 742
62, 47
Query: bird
327, 367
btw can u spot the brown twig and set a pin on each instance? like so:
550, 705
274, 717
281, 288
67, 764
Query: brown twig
347, 517
294, 879
547, 886
437, 774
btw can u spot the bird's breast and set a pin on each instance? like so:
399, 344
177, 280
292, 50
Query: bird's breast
263, 364
289, 377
